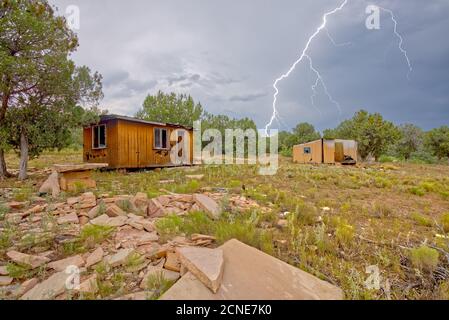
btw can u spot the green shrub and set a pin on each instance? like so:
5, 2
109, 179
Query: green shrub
190, 187
424, 258
17, 271
22, 194
125, 205
417, 191
445, 222
225, 229
344, 232
429, 186
385, 159
382, 210
422, 157
157, 285
422, 220
3, 211
92, 234
6, 237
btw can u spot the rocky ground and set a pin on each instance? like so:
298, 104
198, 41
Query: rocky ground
112, 241
330, 221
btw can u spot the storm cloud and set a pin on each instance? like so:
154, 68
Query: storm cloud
227, 55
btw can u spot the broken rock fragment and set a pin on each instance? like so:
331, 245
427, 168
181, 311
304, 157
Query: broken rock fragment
120, 258
106, 221
172, 263
206, 264
5, 281
209, 205
113, 211
48, 289
62, 265
69, 218
95, 257
25, 259
51, 185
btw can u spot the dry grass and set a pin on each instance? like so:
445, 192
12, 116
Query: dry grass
378, 215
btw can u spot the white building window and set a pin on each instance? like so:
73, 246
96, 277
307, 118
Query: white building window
160, 138
99, 137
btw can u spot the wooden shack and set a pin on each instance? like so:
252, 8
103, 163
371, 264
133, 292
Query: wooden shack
327, 152
125, 142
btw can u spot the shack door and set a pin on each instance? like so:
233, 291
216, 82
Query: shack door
339, 152
134, 150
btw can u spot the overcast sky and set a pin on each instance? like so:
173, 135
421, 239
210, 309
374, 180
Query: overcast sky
227, 55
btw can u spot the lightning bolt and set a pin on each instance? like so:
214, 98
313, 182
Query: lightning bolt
401, 40
299, 60
319, 78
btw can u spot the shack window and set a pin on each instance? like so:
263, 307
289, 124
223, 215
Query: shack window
160, 138
307, 150
99, 137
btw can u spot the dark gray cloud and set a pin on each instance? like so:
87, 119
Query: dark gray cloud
227, 54
247, 97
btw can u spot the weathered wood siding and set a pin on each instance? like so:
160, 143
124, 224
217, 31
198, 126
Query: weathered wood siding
106, 155
329, 151
350, 148
325, 151
316, 155
130, 145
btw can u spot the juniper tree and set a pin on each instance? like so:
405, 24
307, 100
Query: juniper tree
38, 79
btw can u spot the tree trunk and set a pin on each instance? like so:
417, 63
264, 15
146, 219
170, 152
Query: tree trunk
23, 165
3, 171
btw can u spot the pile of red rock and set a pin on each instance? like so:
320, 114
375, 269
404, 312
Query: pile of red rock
133, 219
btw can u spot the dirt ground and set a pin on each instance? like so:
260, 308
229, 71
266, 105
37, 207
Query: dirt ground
342, 224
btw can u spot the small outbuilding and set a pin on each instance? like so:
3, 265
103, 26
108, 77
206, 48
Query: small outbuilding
125, 142
326, 152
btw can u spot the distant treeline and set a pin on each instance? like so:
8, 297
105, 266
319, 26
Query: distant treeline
377, 138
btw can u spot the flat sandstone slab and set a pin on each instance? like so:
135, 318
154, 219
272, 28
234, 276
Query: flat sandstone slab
79, 167
250, 274
206, 264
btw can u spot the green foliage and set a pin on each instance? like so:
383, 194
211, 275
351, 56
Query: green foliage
423, 157
171, 108
22, 194
225, 229
424, 258
6, 239
437, 141
42, 86
125, 205
3, 211
191, 186
445, 222
135, 262
17, 271
302, 133
422, 219
371, 131
411, 141
88, 238
93, 234
157, 285
344, 232
418, 191
221, 123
